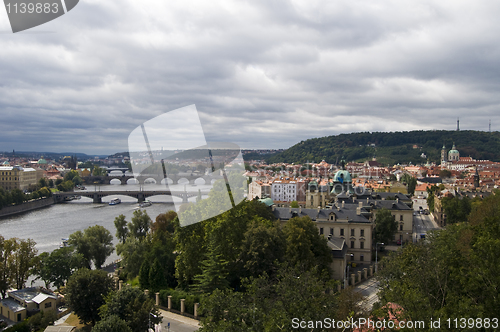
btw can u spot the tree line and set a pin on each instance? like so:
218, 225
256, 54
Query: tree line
455, 273
393, 147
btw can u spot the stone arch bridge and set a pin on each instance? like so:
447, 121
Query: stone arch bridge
89, 180
97, 196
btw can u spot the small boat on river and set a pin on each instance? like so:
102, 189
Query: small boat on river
115, 201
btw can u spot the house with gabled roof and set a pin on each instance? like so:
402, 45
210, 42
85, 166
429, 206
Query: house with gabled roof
22, 303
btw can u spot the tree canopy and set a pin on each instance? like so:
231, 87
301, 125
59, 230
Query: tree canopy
94, 244
385, 226
455, 273
132, 306
85, 293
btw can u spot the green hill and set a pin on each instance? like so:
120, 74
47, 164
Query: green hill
392, 148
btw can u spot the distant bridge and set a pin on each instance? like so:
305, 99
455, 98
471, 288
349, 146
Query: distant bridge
190, 177
97, 196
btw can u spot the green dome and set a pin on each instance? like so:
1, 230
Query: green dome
342, 176
41, 161
453, 151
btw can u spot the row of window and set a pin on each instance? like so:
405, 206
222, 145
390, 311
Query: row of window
353, 232
6, 173
9, 179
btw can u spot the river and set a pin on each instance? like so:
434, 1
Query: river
49, 225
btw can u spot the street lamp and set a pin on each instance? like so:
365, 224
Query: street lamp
402, 239
346, 270
376, 255
149, 317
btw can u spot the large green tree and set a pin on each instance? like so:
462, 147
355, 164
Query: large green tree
56, 267
22, 261
140, 224
457, 209
411, 183
132, 306
385, 226
85, 293
133, 253
121, 228
7, 249
305, 247
111, 324
94, 244
263, 248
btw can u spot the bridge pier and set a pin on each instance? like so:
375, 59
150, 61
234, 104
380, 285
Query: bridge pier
97, 199
184, 196
140, 197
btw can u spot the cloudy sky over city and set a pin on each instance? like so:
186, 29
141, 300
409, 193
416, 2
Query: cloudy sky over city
262, 73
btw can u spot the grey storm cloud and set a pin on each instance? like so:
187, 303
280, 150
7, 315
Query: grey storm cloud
263, 74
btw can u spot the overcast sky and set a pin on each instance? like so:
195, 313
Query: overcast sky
262, 73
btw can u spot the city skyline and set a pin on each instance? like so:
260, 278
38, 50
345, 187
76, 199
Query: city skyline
262, 75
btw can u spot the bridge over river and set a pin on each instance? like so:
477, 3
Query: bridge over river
158, 179
97, 196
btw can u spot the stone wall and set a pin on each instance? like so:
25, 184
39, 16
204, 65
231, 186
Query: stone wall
25, 207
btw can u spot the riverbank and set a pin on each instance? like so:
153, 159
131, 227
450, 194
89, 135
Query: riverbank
7, 211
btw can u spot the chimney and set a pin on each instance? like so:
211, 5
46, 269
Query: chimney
300, 209
319, 208
343, 204
397, 200
290, 209
353, 199
358, 211
272, 207
360, 205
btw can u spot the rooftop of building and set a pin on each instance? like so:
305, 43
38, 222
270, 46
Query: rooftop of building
349, 215
31, 293
12, 305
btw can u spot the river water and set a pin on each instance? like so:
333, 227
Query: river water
49, 225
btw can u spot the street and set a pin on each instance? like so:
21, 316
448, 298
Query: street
178, 323
369, 290
421, 223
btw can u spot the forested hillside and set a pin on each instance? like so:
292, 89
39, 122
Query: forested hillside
392, 148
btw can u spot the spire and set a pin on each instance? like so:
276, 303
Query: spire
458, 124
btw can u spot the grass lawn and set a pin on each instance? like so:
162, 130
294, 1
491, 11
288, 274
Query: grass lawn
134, 282
73, 320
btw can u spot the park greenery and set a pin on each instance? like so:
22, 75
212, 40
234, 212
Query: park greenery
391, 147
17, 196
411, 183
454, 273
385, 226
17, 259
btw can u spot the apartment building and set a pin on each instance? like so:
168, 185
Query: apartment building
284, 190
16, 177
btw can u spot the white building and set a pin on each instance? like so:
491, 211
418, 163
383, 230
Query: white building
284, 190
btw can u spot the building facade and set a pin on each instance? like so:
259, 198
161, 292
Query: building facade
284, 190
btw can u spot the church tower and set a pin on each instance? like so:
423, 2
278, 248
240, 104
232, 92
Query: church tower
443, 155
476, 179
